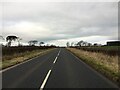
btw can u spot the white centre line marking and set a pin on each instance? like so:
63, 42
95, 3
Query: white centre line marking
58, 53
55, 60
46, 78
48, 74
56, 57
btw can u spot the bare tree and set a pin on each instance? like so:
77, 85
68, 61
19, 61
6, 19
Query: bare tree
89, 44
67, 44
9, 39
95, 44
41, 43
32, 42
85, 43
19, 39
72, 43
80, 43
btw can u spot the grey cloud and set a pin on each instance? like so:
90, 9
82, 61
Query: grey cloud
65, 20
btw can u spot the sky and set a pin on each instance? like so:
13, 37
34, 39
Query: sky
60, 22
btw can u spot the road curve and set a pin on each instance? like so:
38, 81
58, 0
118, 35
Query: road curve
56, 69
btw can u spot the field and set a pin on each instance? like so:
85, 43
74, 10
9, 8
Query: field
10, 52
110, 50
14, 55
100, 58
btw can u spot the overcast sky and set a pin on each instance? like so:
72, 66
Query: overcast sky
59, 22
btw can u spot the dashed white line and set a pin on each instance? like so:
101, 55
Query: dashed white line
56, 57
48, 74
45, 80
55, 60
58, 53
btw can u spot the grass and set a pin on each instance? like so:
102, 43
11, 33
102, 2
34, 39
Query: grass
110, 50
10, 60
106, 64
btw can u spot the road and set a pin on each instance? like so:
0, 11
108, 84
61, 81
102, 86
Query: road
56, 69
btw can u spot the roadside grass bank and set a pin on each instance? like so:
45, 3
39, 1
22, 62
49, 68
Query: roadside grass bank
10, 60
105, 64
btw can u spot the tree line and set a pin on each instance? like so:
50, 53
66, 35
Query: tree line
81, 43
9, 39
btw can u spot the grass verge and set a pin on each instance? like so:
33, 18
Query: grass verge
7, 61
105, 64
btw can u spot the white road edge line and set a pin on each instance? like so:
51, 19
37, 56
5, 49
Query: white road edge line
45, 80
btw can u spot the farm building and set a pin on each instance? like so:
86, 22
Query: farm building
113, 43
